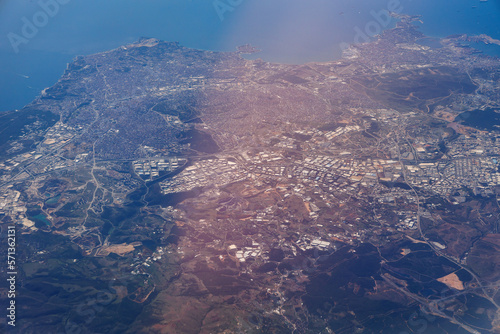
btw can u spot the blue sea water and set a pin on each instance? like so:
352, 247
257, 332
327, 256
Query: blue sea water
289, 31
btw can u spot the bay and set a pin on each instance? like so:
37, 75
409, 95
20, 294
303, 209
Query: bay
287, 31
